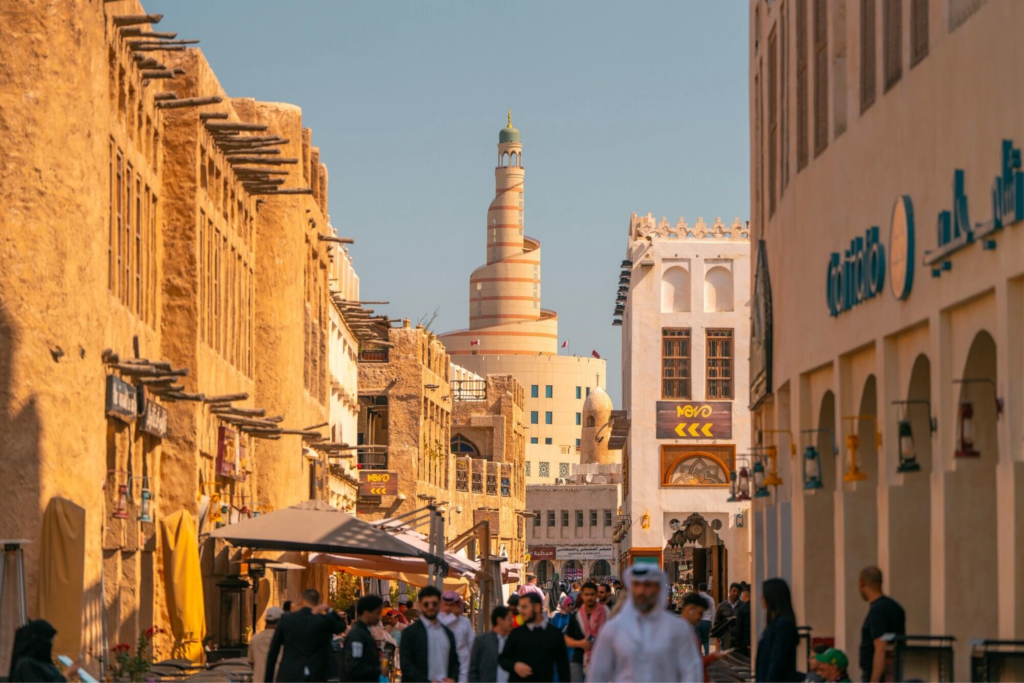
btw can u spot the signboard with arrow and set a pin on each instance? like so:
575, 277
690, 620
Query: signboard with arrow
694, 420
378, 483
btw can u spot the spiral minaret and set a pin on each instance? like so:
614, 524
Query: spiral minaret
505, 316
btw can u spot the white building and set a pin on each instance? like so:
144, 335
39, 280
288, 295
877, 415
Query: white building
685, 321
343, 355
574, 519
921, 320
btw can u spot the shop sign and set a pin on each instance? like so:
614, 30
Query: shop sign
122, 400
583, 552
761, 331
231, 455
694, 420
378, 483
542, 552
572, 573
154, 417
858, 274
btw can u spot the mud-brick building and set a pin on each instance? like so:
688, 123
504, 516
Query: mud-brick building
460, 442
163, 314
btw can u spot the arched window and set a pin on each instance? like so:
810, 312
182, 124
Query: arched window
698, 470
590, 421
718, 290
462, 446
675, 290
512, 159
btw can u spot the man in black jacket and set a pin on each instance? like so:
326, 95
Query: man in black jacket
306, 637
741, 629
427, 651
535, 650
362, 659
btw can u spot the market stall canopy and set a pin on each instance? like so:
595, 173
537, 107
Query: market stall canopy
417, 540
456, 565
315, 526
369, 568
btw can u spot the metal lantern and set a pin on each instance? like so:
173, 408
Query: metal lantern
908, 452
773, 478
232, 613
744, 485
146, 511
739, 520
966, 447
122, 502
812, 469
216, 517
854, 473
760, 490
733, 486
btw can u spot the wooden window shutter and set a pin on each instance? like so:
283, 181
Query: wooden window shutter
773, 120
820, 76
867, 54
918, 31
801, 84
893, 56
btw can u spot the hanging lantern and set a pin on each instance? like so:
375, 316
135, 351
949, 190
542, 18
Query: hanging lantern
146, 512
645, 521
122, 502
773, 478
908, 452
812, 469
245, 512
733, 486
760, 490
216, 515
739, 520
744, 485
966, 448
854, 473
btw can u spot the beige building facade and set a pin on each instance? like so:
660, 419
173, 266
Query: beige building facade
460, 444
890, 162
162, 286
685, 318
510, 333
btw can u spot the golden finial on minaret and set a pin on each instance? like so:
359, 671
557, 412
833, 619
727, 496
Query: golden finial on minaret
510, 117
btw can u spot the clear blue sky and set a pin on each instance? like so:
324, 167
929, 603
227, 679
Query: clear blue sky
638, 106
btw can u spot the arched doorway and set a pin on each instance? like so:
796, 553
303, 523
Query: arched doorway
970, 508
819, 532
600, 569
545, 571
572, 570
860, 511
695, 555
910, 510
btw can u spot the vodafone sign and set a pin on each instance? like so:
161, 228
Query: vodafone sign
378, 483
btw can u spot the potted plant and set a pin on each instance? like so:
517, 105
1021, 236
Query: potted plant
125, 666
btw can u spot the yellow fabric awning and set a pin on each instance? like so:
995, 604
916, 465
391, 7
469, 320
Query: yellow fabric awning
62, 574
184, 582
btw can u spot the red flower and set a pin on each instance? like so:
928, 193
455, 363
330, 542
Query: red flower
122, 647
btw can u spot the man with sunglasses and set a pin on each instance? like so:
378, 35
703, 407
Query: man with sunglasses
428, 653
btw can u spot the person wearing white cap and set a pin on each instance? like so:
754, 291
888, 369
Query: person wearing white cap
644, 641
461, 628
259, 645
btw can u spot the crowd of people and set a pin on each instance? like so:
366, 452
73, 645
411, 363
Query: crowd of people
589, 631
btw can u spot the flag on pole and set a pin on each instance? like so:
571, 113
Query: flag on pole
474, 342
565, 344
595, 354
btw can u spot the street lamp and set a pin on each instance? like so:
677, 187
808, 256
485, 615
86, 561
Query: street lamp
760, 489
744, 484
908, 452
773, 478
966, 446
854, 473
812, 469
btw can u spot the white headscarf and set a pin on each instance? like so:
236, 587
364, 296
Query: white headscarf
646, 646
